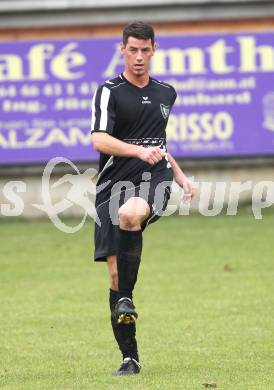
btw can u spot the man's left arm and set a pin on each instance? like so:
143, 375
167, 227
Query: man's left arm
181, 179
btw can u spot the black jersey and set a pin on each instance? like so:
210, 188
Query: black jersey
133, 115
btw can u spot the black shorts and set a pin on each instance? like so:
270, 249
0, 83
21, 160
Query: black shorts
155, 190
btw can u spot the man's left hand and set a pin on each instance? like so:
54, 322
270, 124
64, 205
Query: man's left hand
187, 186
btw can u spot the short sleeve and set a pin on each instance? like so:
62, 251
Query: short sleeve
174, 97
103, 110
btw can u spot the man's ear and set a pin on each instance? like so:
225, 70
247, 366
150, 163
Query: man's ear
122, 48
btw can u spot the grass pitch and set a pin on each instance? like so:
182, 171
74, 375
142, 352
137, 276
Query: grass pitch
205, 297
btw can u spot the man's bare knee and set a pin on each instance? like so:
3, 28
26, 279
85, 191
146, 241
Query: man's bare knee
128, 220
133, 213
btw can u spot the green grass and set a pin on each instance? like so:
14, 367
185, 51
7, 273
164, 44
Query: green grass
207, 281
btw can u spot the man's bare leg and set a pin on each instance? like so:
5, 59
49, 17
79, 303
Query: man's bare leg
112, 271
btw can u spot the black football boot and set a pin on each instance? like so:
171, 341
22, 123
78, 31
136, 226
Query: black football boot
129, 366
124, 311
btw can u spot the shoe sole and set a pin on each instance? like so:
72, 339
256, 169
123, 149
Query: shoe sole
126, 319
125, 374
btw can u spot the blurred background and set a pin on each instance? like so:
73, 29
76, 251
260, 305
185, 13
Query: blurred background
219, 55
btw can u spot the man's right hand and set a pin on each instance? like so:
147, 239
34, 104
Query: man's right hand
151, 155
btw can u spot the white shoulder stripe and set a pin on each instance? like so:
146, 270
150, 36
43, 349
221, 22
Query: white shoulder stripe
93, 111
104, 108
163, 85
118, 85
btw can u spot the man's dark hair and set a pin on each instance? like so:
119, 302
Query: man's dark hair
138, 30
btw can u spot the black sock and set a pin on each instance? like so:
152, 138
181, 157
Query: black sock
124, 334
128, 260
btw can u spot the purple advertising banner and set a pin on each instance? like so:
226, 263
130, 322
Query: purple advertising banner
225, 87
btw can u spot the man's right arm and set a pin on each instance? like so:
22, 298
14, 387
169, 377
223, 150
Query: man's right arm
105, 143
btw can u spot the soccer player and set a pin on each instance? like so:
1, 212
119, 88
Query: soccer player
129, 118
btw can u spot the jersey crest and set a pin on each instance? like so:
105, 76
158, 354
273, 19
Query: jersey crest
165, 110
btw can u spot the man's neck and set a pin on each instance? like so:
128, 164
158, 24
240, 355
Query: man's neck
140, 82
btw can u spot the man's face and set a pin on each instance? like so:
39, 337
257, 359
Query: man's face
137, 54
